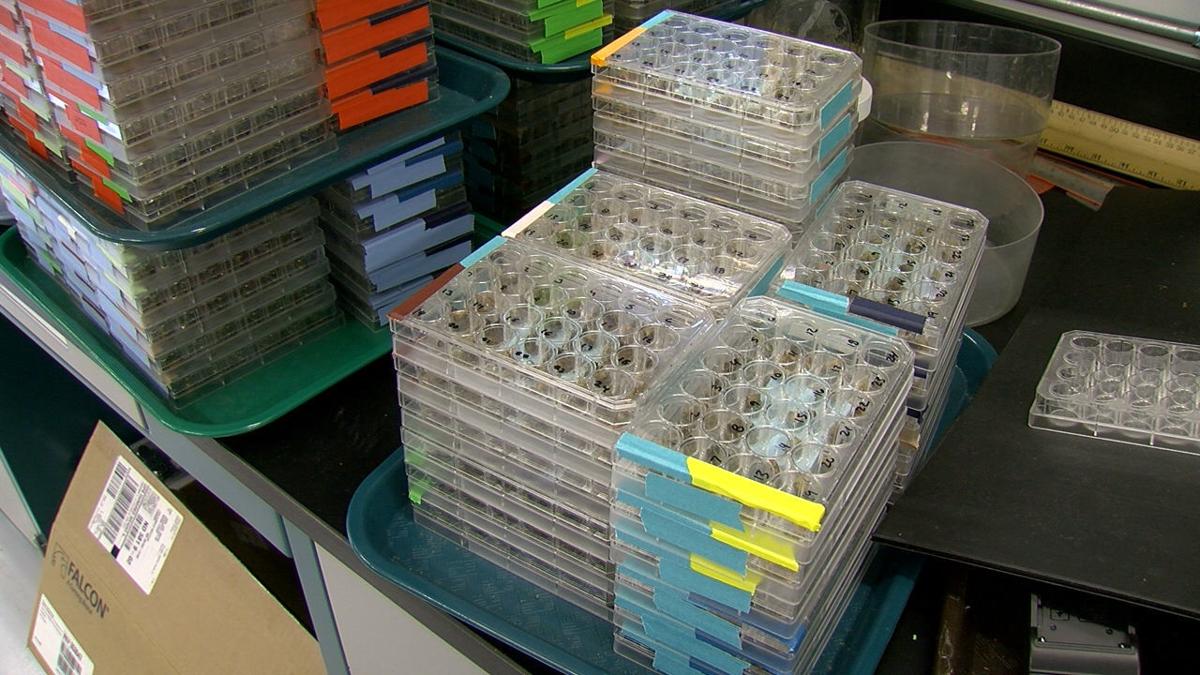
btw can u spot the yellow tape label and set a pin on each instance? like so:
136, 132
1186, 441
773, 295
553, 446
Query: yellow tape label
600, 56
751, 493
572, 33
743, 582
764, 545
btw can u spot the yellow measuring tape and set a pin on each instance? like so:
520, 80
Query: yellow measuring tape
1124, 147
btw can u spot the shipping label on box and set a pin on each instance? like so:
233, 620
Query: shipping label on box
134, 583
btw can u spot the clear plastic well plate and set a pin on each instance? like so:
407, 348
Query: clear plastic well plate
907, 252
1120, 388
691, 248
778, 395
746, 73
564, 332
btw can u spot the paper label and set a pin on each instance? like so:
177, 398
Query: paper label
135, 524
56, 644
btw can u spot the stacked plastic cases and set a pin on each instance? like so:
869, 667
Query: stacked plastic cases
538, 31
688, 248
629, 14
1127, 389
517, 371
746, 488
169, 105
905, 264
195, 318
379, 57
390, 229
534, 141
22, 94
747, 118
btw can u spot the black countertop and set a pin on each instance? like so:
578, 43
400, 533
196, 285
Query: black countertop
1111, 518
322, 451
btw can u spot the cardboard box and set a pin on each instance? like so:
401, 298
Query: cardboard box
133, 583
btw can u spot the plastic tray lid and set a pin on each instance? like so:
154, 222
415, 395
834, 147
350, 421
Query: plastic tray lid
558, 328
754, 74
760, 412
682, 245
902, 259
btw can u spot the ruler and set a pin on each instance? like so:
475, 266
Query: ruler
1124, 147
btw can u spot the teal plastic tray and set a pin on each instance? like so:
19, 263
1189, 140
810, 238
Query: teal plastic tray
381, 530
468, 87
247, 403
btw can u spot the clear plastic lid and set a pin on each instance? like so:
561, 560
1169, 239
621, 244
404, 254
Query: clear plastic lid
780, 395
1122, 388
755, 74
902, 250
688, 247
557, 328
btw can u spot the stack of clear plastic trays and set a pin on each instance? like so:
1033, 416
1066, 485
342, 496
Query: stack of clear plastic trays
390, 229
689, 248
761, 122
190, 319
746, 487
22, 90
906, 263
516, 374
167, 106
1128, 389
540, 31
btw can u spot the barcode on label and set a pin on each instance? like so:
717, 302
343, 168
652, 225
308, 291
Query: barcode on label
68, 658
123, 491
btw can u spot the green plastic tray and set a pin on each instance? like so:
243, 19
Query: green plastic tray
467, 88
247, 403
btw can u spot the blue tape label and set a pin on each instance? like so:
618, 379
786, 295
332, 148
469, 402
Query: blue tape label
653, 456
704, 504
483, 251
837, 104
566, 189
834, 137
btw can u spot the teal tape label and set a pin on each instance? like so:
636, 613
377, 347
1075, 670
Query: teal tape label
831, 305
482, 252
814, 297
628, 600
639, 572
839, 102
660, 532
653, 456
671, 663
830, 175
682, 576
694, 500
566, 189
692, 538
658, 18
834, 137
673, 604
675, 636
